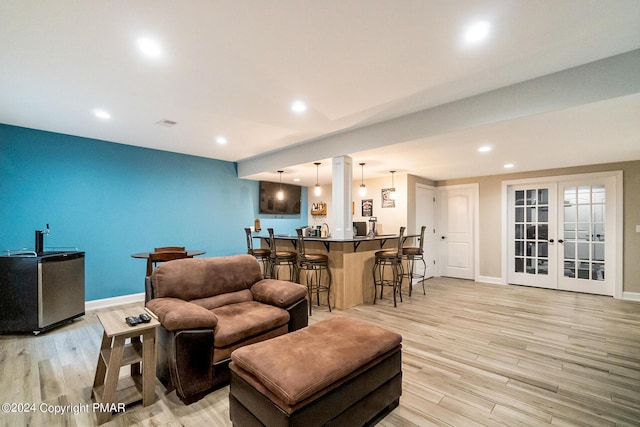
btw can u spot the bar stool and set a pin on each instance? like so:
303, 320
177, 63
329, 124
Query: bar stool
314, 265
411, 255
389, 259
279, 258
262, 255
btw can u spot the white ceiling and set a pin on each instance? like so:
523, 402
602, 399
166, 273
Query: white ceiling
232, 68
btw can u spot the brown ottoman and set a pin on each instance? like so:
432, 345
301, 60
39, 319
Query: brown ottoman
338, 371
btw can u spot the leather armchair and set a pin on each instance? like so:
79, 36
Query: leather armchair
209, 307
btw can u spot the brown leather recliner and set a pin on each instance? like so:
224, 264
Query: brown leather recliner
209, 307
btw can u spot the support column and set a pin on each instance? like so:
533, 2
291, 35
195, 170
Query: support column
341, 168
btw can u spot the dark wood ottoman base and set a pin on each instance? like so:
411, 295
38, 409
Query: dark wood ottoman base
360, 398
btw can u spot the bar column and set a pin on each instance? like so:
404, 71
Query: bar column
341, 168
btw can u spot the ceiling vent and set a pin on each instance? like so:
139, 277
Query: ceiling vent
166, 123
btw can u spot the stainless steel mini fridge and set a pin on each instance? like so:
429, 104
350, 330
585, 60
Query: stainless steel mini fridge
39, 291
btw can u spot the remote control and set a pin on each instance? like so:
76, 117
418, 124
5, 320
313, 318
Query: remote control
144, 318
132, 321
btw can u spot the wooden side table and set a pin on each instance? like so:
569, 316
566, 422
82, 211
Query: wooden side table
115, 353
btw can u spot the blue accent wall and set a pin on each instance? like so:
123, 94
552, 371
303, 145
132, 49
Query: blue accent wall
112, 200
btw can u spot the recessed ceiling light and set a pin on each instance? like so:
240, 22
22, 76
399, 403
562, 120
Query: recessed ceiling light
508, 165
101, 114
296, 179
149, 46
221, 140
485, 149
477, 32
298, 107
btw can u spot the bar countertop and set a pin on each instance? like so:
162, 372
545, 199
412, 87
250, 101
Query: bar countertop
382, 238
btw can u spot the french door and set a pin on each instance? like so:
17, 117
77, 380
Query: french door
532, 231
562, 234
588, 251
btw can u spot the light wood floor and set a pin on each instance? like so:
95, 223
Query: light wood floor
473, 354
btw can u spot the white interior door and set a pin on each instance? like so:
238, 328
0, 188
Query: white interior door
532, 235
425, 215
588, 240
564, 234
456, 231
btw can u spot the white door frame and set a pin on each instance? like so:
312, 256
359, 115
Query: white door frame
433, 267
619, 259
475, 187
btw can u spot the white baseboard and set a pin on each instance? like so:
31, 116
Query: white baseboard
110, 302
128, 299
631, 296
491, 280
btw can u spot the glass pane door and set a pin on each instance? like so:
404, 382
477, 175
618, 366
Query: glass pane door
566, 234
584, 232
586, 250
531, 218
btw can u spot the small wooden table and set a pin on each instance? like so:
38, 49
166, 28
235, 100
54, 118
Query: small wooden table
115, 353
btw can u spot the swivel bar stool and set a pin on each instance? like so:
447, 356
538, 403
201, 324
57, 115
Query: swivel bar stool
314, 265
262, 255
411, 255
280, 258
389, 260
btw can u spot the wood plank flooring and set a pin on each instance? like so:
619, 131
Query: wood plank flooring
473, 354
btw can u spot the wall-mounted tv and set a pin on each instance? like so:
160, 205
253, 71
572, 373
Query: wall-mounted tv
269, 203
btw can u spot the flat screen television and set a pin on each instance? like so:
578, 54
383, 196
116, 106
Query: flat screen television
269, 203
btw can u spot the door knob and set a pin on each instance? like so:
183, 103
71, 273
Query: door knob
551, 240
443, 237
560, 241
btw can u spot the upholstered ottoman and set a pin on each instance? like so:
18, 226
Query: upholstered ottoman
338, 371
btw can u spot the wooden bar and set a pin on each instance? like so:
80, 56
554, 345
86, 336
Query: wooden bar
350, 263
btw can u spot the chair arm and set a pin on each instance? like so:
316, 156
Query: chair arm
175, 314
298, 315
278, 292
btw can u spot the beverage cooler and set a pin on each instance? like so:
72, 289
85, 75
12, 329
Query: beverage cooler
40, 290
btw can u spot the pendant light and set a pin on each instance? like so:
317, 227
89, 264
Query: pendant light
317, 189
392, 194
363, 188
280, 194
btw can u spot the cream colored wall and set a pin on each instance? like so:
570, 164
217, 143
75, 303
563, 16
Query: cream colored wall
490, 233
315, 220
389, 219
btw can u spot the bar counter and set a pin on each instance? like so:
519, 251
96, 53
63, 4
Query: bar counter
350, 262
